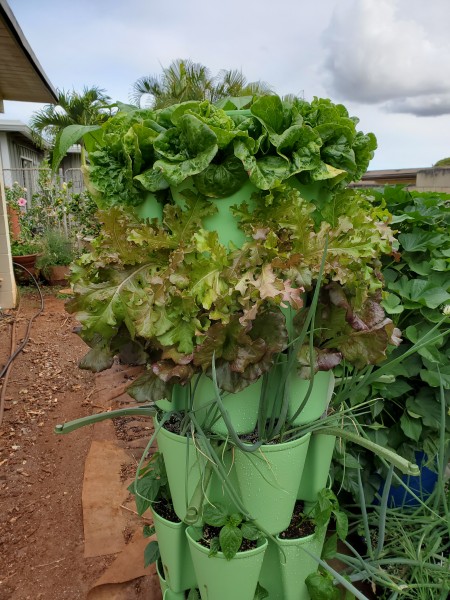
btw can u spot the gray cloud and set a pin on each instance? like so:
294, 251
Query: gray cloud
386, 52
421, 106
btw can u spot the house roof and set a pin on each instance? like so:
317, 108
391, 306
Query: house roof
21, 76
16, 127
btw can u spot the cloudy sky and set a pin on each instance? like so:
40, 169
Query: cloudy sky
388, 61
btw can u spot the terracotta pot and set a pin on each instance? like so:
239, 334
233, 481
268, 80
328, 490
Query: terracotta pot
57, 275
29, 262
14, 222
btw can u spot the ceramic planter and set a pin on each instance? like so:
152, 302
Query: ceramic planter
176, 561
322, 390
268, 481
221, 579
317, 466
242, 407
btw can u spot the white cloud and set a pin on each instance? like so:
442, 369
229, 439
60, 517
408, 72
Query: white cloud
389, 51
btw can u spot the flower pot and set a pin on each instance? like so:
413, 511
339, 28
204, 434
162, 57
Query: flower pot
57, 275
317, 466
184, 466
160, 572
270, 577
29, 262
221, 579
321, 393
14, 222
268, 481
177, 452
176, 561
242, 407
295, 564
421, 485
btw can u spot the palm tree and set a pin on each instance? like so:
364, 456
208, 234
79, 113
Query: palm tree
185, 80
86, 108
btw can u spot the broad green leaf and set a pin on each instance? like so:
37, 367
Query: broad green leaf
250, 532
341, 524
151, 553
148, 531
321, 587
392, 304
230, 540
150, 388
145, 492
215, 515
66, 138
411, 427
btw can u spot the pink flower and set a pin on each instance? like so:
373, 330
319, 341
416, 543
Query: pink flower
21, 202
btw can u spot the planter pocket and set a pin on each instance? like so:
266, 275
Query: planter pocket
184, 466
221, 579
317, 466
295, 564
242, 407
322, 390
268, 481
176, 561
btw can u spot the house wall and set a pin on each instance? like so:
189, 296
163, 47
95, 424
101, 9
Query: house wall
8, 290
22, 159
433, 180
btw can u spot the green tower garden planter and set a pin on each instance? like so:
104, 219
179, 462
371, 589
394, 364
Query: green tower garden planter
221, 579
236, 267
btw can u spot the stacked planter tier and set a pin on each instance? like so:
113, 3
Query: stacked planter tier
268, 481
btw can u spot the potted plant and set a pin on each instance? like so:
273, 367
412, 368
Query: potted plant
56, 257
288, 289
227, 552
151, 490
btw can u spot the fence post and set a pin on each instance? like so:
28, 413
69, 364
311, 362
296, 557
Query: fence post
61, 183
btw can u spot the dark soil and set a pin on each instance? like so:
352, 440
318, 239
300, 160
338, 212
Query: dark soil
300, 526
164, 508
210, 532
174, 423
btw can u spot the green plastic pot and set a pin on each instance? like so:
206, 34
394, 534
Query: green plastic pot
242, 407
176, 561
322, 390
270, 577
150, 208
224, 222
295, 564
268, 481
171, 595
160, 572
317, 466
184, 466
221, 579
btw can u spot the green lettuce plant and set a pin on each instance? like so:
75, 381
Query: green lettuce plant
168, 295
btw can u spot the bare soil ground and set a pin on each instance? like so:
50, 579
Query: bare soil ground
41, 474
